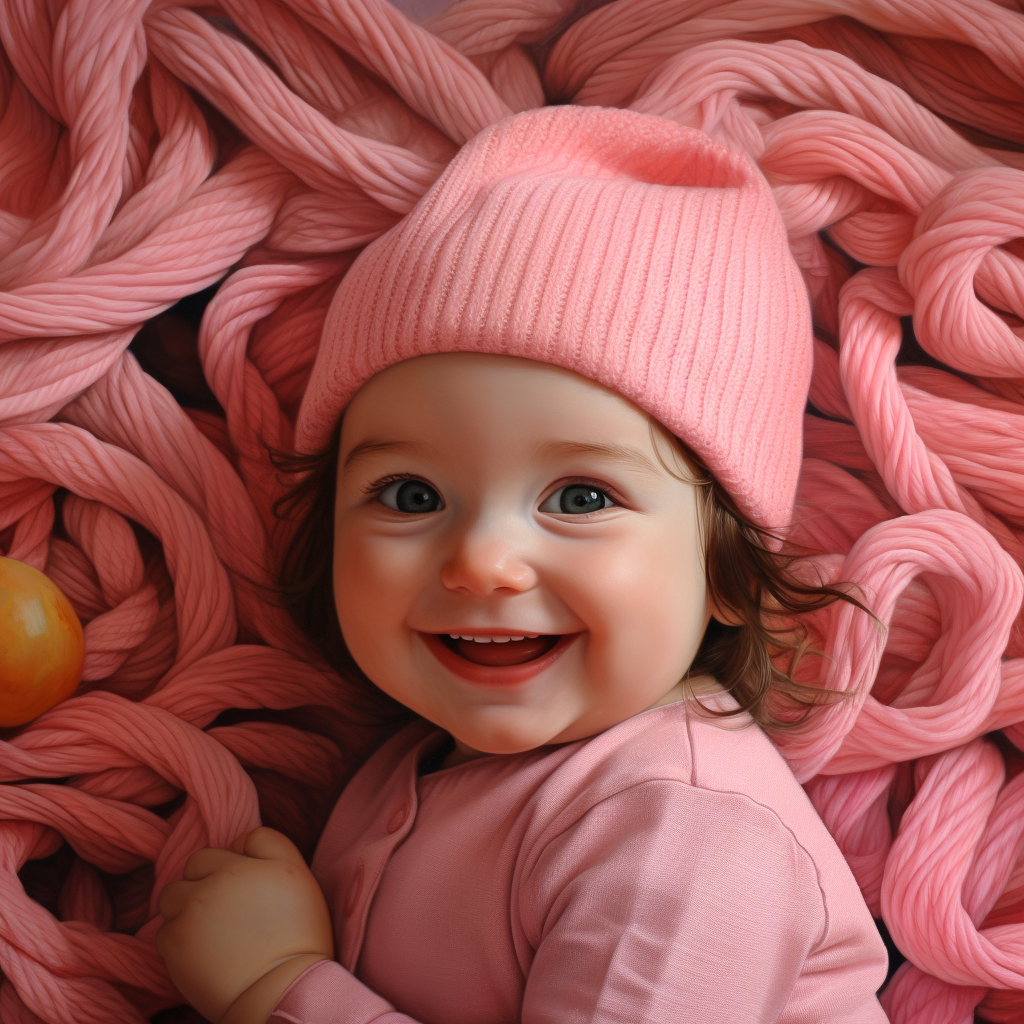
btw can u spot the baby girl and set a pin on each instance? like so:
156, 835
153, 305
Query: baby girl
558, 414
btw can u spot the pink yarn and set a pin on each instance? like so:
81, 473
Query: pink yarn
317, 126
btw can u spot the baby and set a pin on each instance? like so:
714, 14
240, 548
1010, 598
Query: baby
573, 381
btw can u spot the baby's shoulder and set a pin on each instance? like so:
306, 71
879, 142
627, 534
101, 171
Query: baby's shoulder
725, 767
679, 743
686, 810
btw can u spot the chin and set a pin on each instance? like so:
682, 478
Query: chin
503, 745
504, 740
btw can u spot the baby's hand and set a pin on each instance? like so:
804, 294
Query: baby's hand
237, 915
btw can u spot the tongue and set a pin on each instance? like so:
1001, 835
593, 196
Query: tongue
513, 652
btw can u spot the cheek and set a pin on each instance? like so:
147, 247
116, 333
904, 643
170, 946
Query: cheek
372, 595
686, 595
371, 582
647, 604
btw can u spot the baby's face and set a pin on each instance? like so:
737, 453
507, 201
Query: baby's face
493, 498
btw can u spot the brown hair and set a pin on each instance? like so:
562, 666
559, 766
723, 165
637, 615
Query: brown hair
745, 577
754, 585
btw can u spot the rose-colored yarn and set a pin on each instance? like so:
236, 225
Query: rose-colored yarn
891, 133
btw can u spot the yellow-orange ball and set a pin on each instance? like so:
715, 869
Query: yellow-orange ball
41, 644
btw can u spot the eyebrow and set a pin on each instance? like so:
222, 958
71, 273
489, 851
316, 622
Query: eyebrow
616, 452
552, 449
367, 448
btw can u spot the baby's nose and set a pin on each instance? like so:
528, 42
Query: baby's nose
488, 559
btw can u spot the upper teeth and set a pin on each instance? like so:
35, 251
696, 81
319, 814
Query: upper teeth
493, 639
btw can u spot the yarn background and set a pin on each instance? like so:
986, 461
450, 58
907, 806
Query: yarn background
182, 186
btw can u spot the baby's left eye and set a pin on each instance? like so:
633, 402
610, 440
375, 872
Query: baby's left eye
577, 499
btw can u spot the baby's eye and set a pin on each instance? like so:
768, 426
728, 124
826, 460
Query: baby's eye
577, 499
410, 496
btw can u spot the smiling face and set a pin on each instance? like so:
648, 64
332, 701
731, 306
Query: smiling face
524, 507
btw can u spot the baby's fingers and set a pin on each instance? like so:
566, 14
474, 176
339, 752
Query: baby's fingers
200, 865
174, 898
269, 844
204, 862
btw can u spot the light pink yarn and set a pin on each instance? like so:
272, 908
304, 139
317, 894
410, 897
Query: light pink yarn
319, 126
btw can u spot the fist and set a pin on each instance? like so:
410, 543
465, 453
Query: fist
236, 915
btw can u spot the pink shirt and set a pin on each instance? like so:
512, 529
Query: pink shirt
667, 871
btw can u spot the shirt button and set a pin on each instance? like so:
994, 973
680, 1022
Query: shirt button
353, 890
398, 816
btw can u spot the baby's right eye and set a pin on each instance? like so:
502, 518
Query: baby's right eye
411, 496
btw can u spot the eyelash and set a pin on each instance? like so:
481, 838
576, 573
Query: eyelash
375, 489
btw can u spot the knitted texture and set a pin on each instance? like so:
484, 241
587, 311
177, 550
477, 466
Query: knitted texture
635, 251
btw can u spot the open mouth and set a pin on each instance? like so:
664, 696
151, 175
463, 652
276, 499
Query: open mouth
501, 662
511, 651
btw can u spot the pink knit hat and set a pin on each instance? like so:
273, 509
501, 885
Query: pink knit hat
636, 252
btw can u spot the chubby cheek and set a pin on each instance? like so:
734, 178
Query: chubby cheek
373, 588
647, 617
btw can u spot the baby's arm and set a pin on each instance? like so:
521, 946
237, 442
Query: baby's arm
667, 902
242, 925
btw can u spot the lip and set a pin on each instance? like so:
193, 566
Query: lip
490, 632
494, 675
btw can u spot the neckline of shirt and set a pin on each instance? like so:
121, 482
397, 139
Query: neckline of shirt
433, 747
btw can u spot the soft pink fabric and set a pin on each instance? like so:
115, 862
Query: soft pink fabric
639, 253
670, 869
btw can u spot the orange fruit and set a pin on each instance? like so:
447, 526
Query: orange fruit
41, 644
